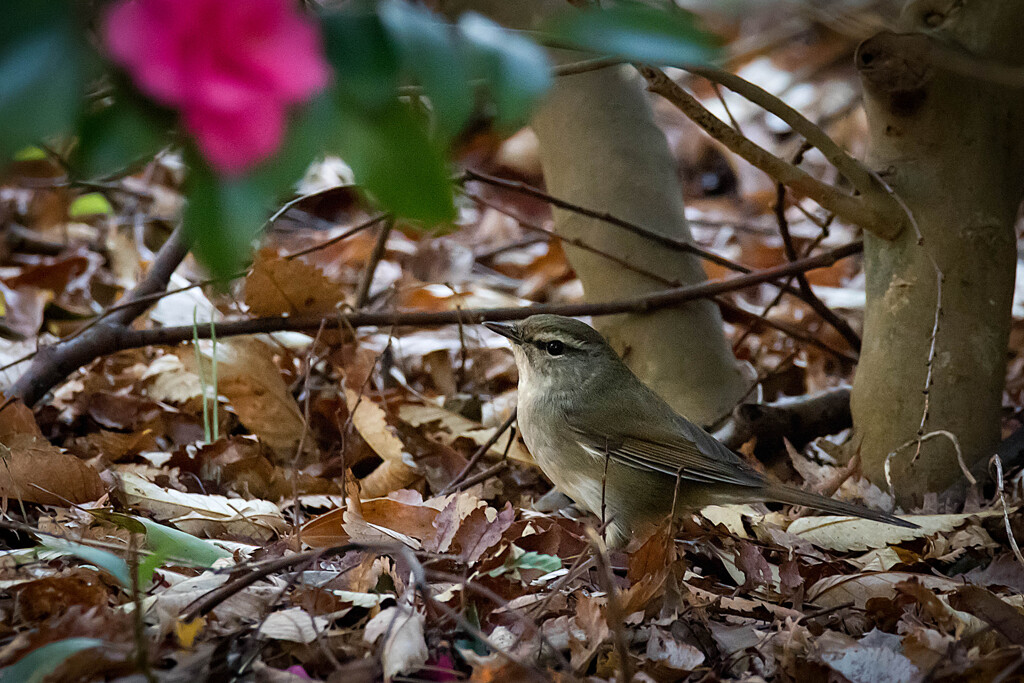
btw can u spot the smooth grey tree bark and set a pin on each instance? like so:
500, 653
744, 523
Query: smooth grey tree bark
947, 134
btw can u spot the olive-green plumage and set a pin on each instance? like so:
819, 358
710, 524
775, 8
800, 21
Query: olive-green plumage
615, 447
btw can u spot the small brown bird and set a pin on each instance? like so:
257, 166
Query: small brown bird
616, 448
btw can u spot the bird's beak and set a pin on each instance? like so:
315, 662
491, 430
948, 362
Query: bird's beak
505, 330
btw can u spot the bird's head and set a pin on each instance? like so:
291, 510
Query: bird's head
556, 352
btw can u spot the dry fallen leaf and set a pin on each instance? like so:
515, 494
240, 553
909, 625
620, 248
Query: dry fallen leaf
169, 380
278, 286
252, 383
852, 533
293, 625
663, 648
857, 589
865, 661
453, 426
203, 515
396, 471
405, 649
34, 470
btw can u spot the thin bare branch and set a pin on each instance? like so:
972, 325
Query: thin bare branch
856, 210
127, 338
852, 169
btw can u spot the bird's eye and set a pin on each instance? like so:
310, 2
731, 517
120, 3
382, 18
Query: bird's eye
555, 348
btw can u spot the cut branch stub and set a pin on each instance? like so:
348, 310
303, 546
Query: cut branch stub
895, 68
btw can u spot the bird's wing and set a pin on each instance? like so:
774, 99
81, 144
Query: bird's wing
691, 456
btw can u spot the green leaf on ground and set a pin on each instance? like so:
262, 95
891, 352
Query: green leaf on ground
172, 543
43, 661
106, 561
528, 560
91, 204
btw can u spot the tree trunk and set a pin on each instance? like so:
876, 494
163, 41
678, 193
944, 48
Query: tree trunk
949, 143
601, 149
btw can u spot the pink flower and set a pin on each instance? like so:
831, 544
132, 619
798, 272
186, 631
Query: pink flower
232, 67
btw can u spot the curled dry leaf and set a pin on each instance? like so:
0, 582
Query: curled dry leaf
852, 533
988, 607
404, 649
663, 648
203, 515
396, 471
169, 380
34, 470
405, 517
252, 383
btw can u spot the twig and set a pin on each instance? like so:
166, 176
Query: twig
1006, 509
138, 615
298, 200
480, 452
52, 364
574, 241
853, 170
856, 210
369, 223
379, 247
727, 305
657, 237
585, 65
616, 619
920, 439
497, 468
809, 297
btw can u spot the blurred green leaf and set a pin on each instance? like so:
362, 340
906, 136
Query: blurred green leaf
108, 562
394, 160
310, 129
118, 136
223, 217
41, 72
41, 662
430, 53
364, 60
91, 204
516, 69
636, 31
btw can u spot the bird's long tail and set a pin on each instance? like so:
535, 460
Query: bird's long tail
778, 493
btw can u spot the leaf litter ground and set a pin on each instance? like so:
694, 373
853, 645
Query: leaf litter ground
294, 507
